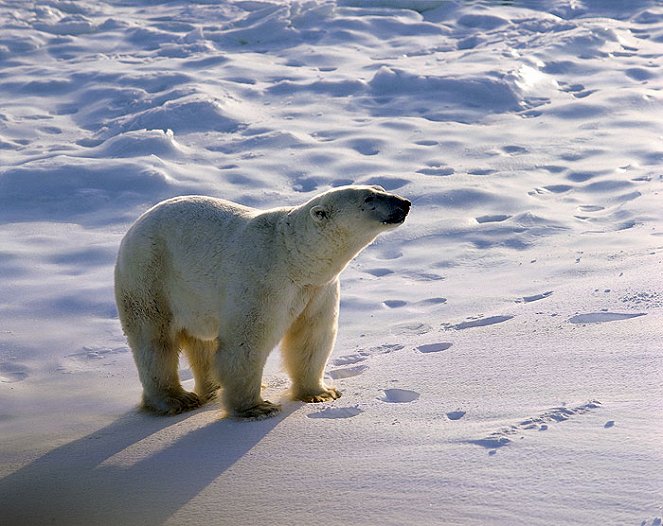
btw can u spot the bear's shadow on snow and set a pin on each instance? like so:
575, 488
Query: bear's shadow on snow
71, 484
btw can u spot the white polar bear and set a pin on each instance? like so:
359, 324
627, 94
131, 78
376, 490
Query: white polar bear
226, 283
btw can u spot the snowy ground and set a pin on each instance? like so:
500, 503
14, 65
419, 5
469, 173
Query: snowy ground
500, 354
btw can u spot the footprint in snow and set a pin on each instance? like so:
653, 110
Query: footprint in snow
390, 253
535, 297
514, 150
455, 415
399, 396
643, 299
348, 372
434, 347
602, 317
439, 171
540, 422
379, 272
337, 412
349, 359
432, 301
480, 322
363, 355
497, 218
412, 328
491, 442
12, 372
480, 171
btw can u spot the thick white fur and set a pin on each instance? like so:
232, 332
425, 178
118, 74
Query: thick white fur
226, 283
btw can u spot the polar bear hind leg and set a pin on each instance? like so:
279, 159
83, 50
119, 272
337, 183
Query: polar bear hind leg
200, 354
157, 360
156, 353
309, 342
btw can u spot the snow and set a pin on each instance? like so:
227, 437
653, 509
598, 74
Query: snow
500, 355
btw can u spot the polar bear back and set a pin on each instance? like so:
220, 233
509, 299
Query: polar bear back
192, 253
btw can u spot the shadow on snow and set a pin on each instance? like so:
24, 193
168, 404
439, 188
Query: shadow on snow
74, 485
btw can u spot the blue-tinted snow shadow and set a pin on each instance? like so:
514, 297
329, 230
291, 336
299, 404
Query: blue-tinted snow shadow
71, 485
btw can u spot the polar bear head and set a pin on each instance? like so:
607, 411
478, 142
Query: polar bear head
353, 216
369, 209
324, 234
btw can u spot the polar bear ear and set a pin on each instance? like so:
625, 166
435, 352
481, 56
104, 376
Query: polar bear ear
319, 213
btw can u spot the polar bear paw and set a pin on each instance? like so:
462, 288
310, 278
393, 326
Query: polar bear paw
209, 392
329, 394
173, 402
264, 409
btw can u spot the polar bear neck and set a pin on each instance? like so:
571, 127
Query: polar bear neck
316, 254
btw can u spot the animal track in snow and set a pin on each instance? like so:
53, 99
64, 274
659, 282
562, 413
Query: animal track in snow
366, 146
434, 347
349, 359
455, 415
337, 412
394, 304
535, 297
541, 422
514, 150
603, 317
432, 301
385, 348
360, 356
493, 442
590, 208
497, 218
90, 357
96, 353
559, 414
348, 372
399, 396
439, 171
424, 276
478, 322
12, 372
413, 328
644, 299
390, 253
480, 171
379, 272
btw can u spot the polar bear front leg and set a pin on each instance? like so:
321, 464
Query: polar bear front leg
238, 364
308, 343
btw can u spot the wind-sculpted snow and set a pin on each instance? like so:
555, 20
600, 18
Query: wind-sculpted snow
526, 279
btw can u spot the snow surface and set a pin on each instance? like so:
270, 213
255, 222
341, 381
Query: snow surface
500, 355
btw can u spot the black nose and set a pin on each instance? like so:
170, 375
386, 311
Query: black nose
400, 210
404, 205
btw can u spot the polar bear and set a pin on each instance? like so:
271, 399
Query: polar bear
226, 283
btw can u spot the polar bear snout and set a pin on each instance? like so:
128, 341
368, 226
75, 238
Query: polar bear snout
398, 209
